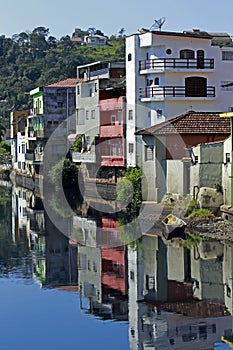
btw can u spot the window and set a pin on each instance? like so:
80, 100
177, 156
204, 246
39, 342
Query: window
113, 119
132, 275
156, 81
195, 87
187, 53
78, 89
168, 51
130, 147
159, 113
149, 82
228, 158
87, 115
147, 56
227, 55
149, 153
96, 85
119, 114
130, 116
23, 148
93, 114
129, 57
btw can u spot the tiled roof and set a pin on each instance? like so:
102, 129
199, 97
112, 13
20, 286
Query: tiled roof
69, 82
191, 123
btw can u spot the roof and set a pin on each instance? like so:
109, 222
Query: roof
191, 123
196, 33
69, 82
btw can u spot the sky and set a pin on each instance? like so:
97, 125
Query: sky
62, 17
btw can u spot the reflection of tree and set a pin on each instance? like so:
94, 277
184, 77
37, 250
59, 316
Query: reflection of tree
130, 232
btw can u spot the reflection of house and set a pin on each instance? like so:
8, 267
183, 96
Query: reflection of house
166, 155
102, 272
169, 73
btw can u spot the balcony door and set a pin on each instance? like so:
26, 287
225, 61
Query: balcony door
200, 59
195, 87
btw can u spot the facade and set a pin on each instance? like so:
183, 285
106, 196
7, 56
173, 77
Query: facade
53, 106
169, 73
167, 157
100, 104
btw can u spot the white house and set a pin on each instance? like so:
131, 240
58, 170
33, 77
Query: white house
169, 73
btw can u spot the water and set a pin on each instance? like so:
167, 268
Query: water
85, 289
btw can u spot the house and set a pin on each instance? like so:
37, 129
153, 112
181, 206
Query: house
95, 40
53, 106
100, 104
167, 157
169, 73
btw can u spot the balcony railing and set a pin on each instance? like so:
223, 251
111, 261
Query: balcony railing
111, 130
116, 160
176, 63
176, 91
79, 157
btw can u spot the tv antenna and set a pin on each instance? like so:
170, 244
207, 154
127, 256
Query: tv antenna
158, 24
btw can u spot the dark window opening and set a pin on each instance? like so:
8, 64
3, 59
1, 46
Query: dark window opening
195, 87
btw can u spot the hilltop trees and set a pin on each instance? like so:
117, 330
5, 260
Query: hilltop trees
31, 59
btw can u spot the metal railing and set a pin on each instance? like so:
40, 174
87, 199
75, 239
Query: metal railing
79, 157
177, 63
176, 91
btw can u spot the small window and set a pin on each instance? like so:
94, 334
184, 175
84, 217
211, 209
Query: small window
168, 51
227, 55
129, 57
113, 119
132, 275
228, 158
78, 89
149, 153
130, 147
147, 56
156, 81
93, 114
87, 115
149, 82
159, 113
96, 85
130, 116
119, 114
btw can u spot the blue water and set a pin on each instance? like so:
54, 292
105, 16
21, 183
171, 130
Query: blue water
33, 318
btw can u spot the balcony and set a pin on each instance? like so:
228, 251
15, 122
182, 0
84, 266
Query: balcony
111, 130
153, 93
164, 64
113, 160
78, 157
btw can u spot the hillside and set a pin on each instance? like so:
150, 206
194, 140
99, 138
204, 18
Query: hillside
28, 60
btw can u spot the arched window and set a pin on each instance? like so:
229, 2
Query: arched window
195, 87
129, 57
156, 81
187, 53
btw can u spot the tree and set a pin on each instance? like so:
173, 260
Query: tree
130, 189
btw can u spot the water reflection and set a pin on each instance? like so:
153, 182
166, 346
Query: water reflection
172, 293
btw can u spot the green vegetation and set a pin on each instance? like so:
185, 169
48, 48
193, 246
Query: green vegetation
5, 152
192, 240
31, 59
130, 233
193, 211
77, 145
130, 189
65, 171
